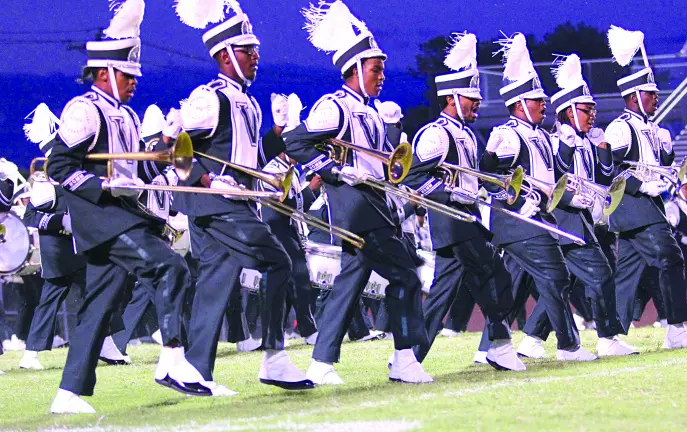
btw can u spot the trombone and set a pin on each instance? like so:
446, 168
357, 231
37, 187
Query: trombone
553, 192
398, 164
282, 182
610, 195
511, 183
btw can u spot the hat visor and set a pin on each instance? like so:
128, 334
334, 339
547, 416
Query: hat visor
649, 87
130, 69
243, 40
470, 93
534, 94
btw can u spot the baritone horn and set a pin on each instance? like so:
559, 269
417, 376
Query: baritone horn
645, 172
610, 195
510, 183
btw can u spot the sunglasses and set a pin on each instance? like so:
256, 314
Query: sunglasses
249, 50
590, 112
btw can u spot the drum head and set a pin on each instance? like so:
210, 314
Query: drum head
14, 244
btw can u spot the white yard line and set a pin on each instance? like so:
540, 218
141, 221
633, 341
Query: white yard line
271, 422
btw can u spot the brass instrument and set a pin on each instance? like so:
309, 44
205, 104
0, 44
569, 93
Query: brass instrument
398, 164
553, 192
540, 224
510, 183
35, 162
645, 172
610, 195
282, 182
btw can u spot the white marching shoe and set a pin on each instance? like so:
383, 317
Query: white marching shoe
30, 361
676, 337
248, 345
580, 354
531, 347
66, 402
175, 372
480, 357
614, 347
13, 344
405, 368
111, 355
310, 340
447, 332
502, 356
276, 369
322, 373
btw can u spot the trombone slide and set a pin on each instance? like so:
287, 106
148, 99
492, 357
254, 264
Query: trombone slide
203, 190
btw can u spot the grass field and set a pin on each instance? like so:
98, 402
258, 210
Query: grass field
645, 392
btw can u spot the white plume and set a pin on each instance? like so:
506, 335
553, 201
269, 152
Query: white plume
516, 57
567, 70
153, 121
463, 52
624, 44
199, 13
128, 16
330, 25
43, 124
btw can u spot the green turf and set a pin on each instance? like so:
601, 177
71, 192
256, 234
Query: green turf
644, 392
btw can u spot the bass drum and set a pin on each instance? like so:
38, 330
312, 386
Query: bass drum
19, 252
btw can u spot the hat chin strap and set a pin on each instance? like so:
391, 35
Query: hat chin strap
577, 120
640, 103
361, 83
527, 111
237, 68
113, 83
456, 99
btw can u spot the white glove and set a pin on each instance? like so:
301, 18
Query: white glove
280, 109
389, 111
462, 196
67, 222
566, 134
581, 202
295, 106
654, 188
8, 170
683, 240
114, 185
495, 139
596, 136
172, 127
530, 208
350, 175
228, 184
665, 139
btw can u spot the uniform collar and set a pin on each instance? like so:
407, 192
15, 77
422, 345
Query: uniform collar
455, 121
637, 116
524, 123
284, 164
352, 93
233, 83
109, 99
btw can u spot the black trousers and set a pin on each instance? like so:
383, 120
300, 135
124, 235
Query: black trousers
589, 265
654, 246
542, 259
28, 294
461, 310
300, 289
55, 291
227, 243
141, 301
475, 265
137, 251
649, 289
384, 254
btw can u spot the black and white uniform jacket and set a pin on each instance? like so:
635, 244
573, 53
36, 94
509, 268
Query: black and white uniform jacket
45, 211
300, 198
6, 193
634, 138
347, 116
224, 121
96, 123
445, 140
530, 147
586, 161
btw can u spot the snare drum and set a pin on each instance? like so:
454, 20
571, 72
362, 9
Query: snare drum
19, 250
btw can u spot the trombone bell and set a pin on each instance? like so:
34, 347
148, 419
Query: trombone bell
397, 162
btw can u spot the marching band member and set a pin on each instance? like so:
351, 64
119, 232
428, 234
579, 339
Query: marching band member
644, 236
224, 120
581, 150
6, 189
108, 228
464, 255
347, 114
521, 141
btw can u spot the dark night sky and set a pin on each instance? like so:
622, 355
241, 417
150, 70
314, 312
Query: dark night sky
398, 25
